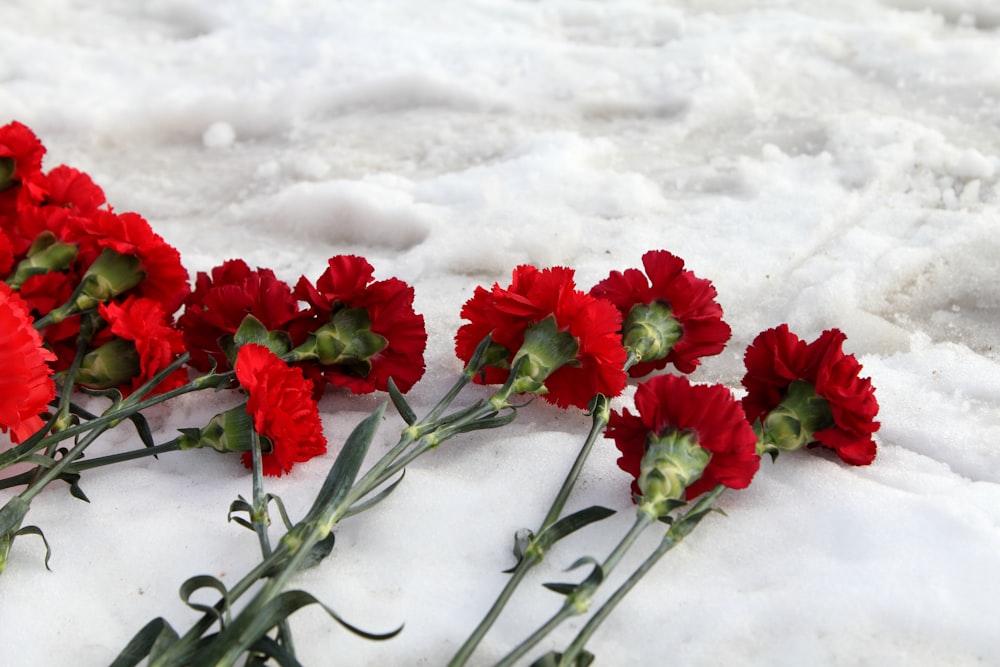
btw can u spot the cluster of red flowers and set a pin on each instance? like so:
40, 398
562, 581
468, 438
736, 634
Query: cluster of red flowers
104, 290
667, 315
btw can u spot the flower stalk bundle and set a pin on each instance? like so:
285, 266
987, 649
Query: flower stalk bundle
94, 303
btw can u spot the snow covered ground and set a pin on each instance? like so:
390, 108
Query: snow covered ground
826, 164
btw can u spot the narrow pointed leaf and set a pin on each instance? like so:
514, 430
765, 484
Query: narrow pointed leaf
319, 551
359, 507
345, 469
561, 589
12, 513
189, 587
271, 649
281, 509
400, 403
247, 628
572, 523
35, 530
156, 633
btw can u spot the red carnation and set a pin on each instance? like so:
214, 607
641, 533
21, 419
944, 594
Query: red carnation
21, 179
362, 331
73, 189
533, 296
163, 277
283, 410
6, 255
817, 386
26, 386
685, 323
220, 303
669, 404
142, 343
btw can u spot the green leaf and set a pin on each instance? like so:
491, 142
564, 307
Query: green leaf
13, 513
561, 589
198, 582
400, 403
151, 640
345, 469
252, 624
35, 530
269, 648
552, 659
240, 505
570, 524
319, 551
281, 509
359, 507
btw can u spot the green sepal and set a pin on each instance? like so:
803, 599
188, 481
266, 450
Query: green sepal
152, 640
345, 469
253, 332
45, 255
189, 587
359, 507
400, 403
7, 168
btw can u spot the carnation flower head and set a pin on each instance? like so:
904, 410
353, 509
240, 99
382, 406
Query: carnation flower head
130, 255
221, 301
547, 298
137, 344
700, 431
804, 393
284, 413
21, 179
358, 332
26, 385
669, 315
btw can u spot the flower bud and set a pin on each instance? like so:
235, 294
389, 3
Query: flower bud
672, 462
545, 350
792, 424
650, 331
111, 274
113, 364
228, 431
45, 255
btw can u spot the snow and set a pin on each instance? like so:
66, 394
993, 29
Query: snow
825, 164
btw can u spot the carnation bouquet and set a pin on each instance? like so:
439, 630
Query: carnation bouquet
100, 323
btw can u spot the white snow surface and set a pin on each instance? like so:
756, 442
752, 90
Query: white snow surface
830, 164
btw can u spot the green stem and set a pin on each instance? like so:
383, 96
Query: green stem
578, 601
677, 532
114, 415
470, 645
535, 552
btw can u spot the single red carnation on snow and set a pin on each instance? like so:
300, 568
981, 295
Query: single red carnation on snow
142, 343
164, 278
693, 317
778, 361
533, 296
366, 330
283, 410
221, 301
669, 403
26, 385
